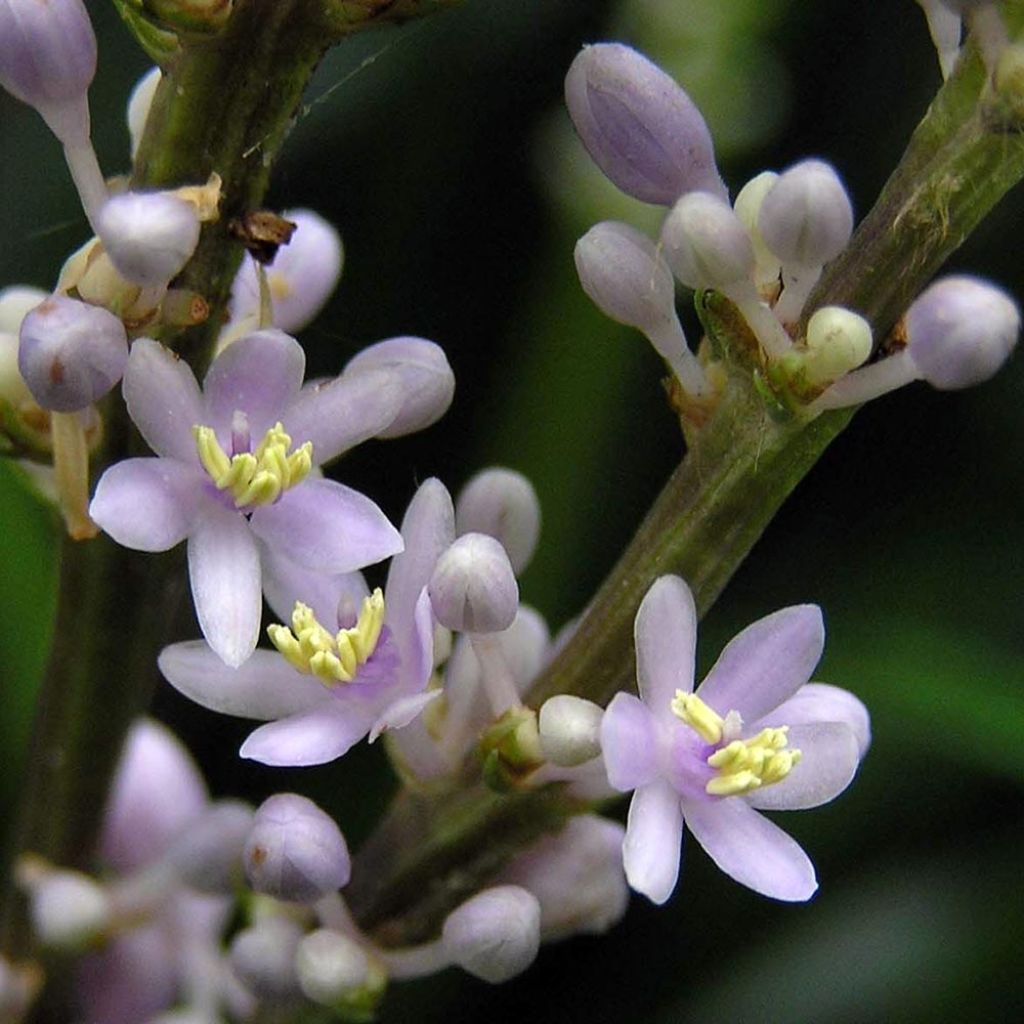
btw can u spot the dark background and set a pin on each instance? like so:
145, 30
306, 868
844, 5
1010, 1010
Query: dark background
443, 154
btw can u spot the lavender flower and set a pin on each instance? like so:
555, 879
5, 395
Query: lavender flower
639, 127
229, 477
324, 691
755, 735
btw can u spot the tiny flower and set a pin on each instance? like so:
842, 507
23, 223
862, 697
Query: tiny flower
473, 588
755, 735
503, 504
622, 271
233, 475
639, 127
295, 851
149, 236
959, 331
322, 691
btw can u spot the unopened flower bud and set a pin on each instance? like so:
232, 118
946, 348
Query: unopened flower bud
71, 354
570, 730
705, 242
149, 236
68, 909
48, 60
495, 935
639, 126
139, 103
502, 504
263, 957
806, 218
838, 340
16, 302
208, 853
295, 851
426, 378
473, 588
960, 331
335, 970
622, 271
577, 876
748, 208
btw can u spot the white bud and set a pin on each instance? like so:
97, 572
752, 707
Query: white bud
494, 935
570, 730
838, 340
473, 588
16, 302
706, 244
263, 957
503, 504
68, 909
748, 208
334, 969
139, 103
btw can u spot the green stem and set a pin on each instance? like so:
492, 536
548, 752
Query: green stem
966, 154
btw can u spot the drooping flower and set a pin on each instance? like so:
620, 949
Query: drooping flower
234, 474
756, 735
323, 691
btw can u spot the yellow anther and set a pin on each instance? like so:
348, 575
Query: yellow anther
696, 714
258, 477
746, 765
336, 658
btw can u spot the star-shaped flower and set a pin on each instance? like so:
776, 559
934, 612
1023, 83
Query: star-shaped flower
235, 470
756, 735
321, 692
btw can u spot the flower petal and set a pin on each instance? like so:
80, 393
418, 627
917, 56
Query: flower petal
402, 712
751, 849
766, 663
665, 634
147, 504
339, 414
163, 399
820, 702
259, 375
265, 687
224, 569
312, 737
829, 756
654, 841
327, 527
428, 529
285, 582
629, 743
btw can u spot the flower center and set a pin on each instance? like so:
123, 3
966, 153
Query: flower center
256, 477
311, 648
741, 766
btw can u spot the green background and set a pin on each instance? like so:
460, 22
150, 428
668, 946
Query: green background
442, 153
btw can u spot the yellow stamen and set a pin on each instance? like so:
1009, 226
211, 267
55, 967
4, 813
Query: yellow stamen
311, 649
258, 477
696, 714
746, 765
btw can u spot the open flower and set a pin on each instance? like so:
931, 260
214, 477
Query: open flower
323, 691
235, 466
755, 735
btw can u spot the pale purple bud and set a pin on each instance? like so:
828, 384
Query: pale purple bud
473, 588
295, 851
494, 935
48, 57
16, 301
426, 379
149, 236
570, 730
263, 957
68, 909
639, 126
577, 876
139, 103
207, 855
71, 354
502, 504
334, 970
806, 218
960, 331
706, 244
